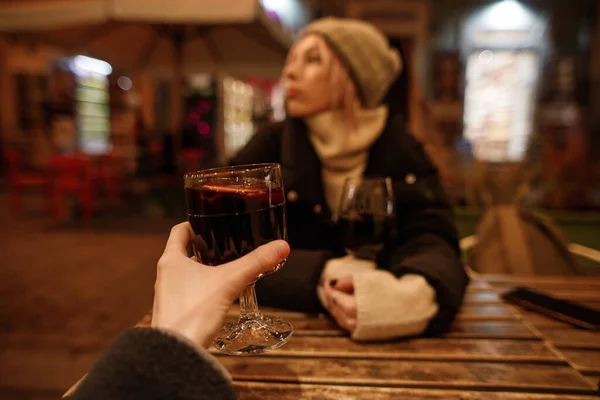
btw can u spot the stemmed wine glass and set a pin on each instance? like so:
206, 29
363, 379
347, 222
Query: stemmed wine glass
367, 216
232, 211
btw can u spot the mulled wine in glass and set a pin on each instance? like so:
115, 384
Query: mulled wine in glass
232, 211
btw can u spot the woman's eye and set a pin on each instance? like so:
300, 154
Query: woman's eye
313, 58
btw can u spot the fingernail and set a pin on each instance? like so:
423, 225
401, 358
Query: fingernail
281, 246
333, 282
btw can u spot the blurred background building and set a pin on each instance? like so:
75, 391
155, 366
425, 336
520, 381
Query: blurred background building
489, 86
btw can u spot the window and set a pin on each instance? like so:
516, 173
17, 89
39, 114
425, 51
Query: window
499, 103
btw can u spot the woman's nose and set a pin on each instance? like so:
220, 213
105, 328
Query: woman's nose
290, 71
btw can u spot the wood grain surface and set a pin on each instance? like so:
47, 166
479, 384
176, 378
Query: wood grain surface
493, 350
413, 373
419, 349
284, 391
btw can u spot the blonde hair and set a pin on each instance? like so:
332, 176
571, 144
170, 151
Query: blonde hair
344, 91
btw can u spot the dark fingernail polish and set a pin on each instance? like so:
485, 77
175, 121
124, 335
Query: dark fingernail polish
333, 282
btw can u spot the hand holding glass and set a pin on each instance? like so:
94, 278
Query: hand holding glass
232, 211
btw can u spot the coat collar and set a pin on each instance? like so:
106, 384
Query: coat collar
302, 167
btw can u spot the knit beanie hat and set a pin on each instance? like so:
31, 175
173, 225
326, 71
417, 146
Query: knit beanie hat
365, 52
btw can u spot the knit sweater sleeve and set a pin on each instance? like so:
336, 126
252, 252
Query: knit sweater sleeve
387, 307
145, 363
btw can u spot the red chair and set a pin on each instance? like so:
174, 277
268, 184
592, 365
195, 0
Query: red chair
19, 180
107, 177
71, 175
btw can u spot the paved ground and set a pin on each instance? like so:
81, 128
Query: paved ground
66, 292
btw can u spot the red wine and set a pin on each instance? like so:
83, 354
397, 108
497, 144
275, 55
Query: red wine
365, 233
231, 218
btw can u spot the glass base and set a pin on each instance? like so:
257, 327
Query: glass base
253, 336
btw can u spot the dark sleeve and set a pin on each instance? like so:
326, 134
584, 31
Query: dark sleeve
427, 240
263, 147
145, 363
294, 286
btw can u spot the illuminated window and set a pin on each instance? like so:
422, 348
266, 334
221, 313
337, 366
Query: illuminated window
499, 103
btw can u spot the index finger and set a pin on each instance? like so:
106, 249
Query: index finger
180, 236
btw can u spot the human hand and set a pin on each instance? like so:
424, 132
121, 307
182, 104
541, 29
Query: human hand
192, 299
341, 301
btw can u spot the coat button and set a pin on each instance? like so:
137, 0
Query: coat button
292, 196
318, 209
410, 179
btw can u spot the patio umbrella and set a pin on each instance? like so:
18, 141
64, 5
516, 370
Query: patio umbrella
159, 37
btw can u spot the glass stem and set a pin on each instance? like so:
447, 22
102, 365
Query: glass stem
248, 304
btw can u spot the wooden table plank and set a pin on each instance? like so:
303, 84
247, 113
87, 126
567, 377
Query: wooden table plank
492, 311
315, 326
571, 337
423, 374
490, 329
487, 312
323, 326
586, 361
542, 321
419, 349
477, 284
482, 297
594, 379
539, 281
286, 391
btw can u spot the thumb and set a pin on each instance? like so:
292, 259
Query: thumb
262, 259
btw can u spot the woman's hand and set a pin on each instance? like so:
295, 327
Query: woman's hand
192, 299
341, 301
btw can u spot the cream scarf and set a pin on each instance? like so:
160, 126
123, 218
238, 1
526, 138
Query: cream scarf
342, 148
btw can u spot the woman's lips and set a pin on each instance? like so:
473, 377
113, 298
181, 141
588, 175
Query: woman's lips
289, 93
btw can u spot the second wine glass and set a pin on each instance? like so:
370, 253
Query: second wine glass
367, 216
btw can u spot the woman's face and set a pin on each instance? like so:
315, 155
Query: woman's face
306, 77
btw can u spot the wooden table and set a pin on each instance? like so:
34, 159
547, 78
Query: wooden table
579, 347
493, 351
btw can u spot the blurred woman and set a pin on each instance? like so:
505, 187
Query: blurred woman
336, 78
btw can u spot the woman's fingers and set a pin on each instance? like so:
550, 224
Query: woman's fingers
342, 307
342, 319
345, 302
344, 284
